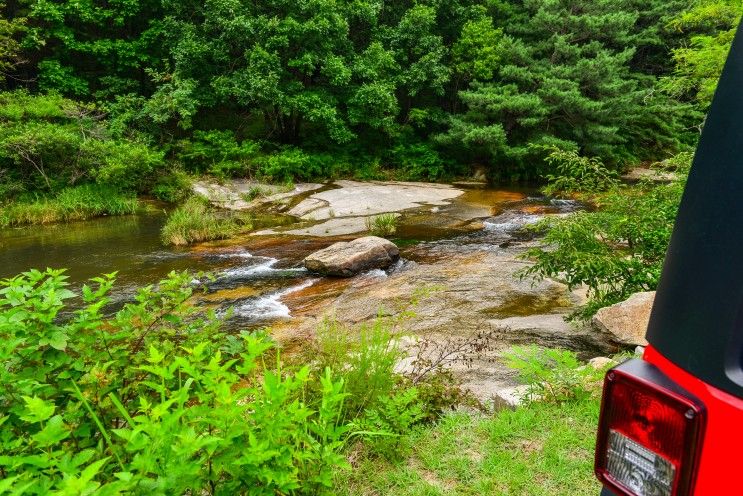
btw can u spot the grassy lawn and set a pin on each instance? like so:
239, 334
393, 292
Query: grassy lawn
540, 449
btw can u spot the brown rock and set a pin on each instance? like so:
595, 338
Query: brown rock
627, 321
346, 259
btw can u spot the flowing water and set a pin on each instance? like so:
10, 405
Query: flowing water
251, 276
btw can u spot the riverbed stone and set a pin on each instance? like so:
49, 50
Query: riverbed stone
346, 259
510, 397
234, 194
355, 199
627, 321
459, 294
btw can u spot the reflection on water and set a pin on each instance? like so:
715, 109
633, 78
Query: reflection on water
130, 245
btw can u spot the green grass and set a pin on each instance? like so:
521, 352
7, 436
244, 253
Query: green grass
195, 221
540, 449
382, 225
71, 204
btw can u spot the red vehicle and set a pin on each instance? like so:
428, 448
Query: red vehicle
672, 422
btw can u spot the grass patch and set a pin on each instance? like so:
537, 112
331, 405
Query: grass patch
196, 221
264, 191
71, 204
382, 225
540, 449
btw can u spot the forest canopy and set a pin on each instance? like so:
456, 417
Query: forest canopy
321, 88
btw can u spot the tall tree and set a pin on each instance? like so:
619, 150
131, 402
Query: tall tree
565, 80
710, 27
10, 55
91, 48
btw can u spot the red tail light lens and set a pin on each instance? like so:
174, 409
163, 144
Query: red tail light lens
649, 434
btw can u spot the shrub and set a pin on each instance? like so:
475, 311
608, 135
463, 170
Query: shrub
576, 174
365, 360
195, 221
128, 166
173, 187
218, 153
153, 399
70, 204
384, 225
48, 143
617, 249
292, 164
552, 375
418, 161
385, 427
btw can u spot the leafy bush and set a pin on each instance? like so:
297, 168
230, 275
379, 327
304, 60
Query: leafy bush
218, 153
293, 164
615, 251
195, 221
418, 161
619, 248
552, 375
385, 426
382, 225
70, 204
364, 360
48, 143
577, 174
153, 399
173, 187
128, 166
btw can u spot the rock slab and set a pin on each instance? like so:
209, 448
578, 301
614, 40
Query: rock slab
627, 321
346, 259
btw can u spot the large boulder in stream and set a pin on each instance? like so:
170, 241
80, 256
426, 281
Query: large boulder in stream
346, 259
627, 321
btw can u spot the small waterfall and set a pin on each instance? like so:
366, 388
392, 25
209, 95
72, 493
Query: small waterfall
270, 306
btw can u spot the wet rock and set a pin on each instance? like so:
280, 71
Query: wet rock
627, 321
470, 184
346, 259
342, 226
458, 295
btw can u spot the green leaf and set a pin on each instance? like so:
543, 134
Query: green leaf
37, 409
58, 341
125, 476
54, 432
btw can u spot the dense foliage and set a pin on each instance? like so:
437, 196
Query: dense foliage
618, 248
157, 399
49, 143
421, 90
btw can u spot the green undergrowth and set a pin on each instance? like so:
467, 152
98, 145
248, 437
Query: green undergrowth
156, 398
70, 204
618, 247
541, 449
544, 447
195, 221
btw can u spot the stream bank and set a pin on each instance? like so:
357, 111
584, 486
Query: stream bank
461, 244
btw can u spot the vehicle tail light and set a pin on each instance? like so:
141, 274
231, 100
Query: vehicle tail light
650, 433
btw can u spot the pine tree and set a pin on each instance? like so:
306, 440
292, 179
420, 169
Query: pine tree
565, 80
